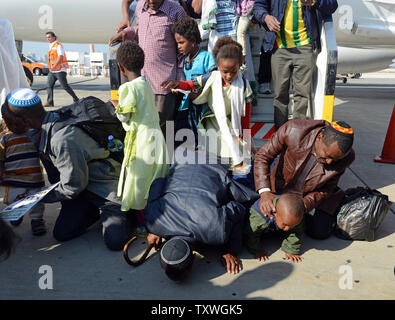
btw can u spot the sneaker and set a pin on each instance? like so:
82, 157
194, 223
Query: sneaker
38, 227
141, 231
265, 88
16, 223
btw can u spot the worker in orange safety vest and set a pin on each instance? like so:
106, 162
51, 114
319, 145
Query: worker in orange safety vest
57, 63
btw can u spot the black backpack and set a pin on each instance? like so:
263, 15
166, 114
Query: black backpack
96, 118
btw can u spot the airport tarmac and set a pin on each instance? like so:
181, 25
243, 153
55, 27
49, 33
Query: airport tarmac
84, 268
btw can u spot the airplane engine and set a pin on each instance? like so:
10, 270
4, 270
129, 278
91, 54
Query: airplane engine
356, 60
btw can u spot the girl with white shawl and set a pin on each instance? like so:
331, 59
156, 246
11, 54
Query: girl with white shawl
228, 96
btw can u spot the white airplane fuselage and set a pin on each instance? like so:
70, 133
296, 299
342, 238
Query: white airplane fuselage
365, 29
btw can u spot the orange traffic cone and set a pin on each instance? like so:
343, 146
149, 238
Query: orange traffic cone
388, 153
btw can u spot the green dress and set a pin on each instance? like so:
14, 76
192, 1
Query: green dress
145, 148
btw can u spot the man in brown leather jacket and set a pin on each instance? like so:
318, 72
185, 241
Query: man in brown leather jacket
312, 155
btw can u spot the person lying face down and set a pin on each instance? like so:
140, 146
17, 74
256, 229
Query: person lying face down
197, 204
287, 219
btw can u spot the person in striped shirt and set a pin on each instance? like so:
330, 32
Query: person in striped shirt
294, 35
20, 169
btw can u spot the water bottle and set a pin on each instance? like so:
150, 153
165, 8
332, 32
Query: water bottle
113, 144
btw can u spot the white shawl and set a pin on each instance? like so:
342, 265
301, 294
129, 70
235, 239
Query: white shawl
233, 136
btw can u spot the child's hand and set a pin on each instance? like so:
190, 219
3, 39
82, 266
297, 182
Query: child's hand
119, 37
170, 84
114, 102
20, 196
193, 95
293, 257
261, 256
125, 23
232, 263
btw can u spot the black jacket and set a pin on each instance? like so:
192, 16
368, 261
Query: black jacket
200, 203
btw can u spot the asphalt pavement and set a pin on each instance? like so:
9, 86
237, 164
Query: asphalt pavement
84, 268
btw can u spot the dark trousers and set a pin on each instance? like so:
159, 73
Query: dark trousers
189, 119
78, 214
235, 214
61, 76
320, 225
296, 64
166, 106
265, 67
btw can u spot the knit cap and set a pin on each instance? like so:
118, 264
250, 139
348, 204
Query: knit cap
342, 128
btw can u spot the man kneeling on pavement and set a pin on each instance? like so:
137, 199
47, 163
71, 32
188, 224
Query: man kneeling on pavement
88, 176
309, 157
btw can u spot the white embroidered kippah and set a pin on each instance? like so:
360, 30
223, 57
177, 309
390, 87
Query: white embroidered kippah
23, 98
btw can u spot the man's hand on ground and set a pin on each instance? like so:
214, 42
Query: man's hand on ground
154, 239
231, 263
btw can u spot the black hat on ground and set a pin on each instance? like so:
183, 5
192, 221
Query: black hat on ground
176, 258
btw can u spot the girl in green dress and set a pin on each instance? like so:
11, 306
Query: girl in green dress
145, 153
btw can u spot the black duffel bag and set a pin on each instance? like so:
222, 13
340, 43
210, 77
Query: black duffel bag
361, 213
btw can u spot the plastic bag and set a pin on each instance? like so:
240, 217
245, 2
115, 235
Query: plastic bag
361, 214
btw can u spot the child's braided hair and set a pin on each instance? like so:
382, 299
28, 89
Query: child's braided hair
227, 48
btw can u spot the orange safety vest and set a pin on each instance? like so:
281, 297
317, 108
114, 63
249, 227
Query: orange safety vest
53, 57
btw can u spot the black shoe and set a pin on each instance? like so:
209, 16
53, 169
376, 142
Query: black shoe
16, 223
38, 227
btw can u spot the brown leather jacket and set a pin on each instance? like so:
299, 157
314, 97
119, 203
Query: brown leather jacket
292, 143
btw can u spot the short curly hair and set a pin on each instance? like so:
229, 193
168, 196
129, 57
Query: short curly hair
227, 48
131, 56
187, 28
